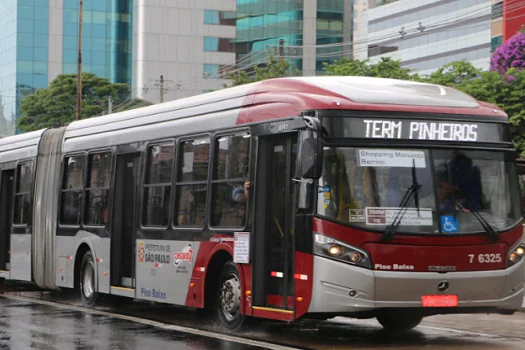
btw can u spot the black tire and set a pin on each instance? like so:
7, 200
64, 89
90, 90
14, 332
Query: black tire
87, 280
229, 298
398, 321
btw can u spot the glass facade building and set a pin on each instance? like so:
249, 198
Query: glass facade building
261, 24
23, 55
106, 38
330, 30
25, 41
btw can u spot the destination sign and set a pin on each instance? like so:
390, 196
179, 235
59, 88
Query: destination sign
410, 129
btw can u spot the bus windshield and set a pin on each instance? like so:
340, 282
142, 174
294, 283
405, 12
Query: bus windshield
364, 187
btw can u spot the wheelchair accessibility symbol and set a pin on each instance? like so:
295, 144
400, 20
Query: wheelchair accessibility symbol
449, 224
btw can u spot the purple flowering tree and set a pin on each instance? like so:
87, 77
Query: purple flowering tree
510, 54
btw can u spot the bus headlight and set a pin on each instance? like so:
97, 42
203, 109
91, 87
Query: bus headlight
515, 254
331, 248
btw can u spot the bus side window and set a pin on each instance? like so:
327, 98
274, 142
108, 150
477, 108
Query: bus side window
192, 183
23, 193
230, 186
72, 190
97, 189
157, 186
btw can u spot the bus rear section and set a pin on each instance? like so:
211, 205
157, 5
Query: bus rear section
416, 217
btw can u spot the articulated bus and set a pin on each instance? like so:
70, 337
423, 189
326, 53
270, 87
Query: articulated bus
286, 199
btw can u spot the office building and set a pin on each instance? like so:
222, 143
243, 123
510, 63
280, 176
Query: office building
426, 34
513, 18
302, 24
39, 40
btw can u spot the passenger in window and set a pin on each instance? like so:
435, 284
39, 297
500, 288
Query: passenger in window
467, 181
240, 194
446, 196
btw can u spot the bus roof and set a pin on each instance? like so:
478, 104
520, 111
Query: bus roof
287, 97
282, 97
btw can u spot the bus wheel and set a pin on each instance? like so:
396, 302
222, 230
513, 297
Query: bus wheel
229, 298
87, 280
398, 321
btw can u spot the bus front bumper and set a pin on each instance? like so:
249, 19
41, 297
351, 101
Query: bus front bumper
339, 288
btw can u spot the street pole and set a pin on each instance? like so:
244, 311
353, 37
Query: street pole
110, 105
161, 89
281, 49
79, 67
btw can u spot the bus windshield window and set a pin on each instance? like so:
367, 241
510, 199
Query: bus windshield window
364, 187
477, 181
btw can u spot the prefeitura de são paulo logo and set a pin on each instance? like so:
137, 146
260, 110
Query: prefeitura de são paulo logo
185, 254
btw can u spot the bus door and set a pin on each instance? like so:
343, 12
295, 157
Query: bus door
7, 188
273, 249
123, 223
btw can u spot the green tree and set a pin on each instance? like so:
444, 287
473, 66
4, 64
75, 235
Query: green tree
273, 68
454, 74
55, 105
507, 92
385, 68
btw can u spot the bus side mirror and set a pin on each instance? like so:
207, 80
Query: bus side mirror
312, 158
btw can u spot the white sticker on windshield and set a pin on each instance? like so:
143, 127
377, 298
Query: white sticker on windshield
385, 216
356, 215
391, 158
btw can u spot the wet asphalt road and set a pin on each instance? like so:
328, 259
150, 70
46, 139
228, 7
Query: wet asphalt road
26, 325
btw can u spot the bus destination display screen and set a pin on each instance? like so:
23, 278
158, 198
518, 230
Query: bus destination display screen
414, 129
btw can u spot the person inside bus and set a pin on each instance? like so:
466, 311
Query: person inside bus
447, 196
466, 179
240, 194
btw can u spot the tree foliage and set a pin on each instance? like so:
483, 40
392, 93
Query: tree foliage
454, 74
511, 54
507, 92
273, 68
385, 68
55, 105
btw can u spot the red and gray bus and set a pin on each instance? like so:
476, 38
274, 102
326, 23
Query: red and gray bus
308, 197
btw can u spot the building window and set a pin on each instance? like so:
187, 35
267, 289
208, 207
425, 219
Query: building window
214, 71
192, 183
157, 187
97, 189
375, 50
384, 2
24, 181
226, 18
72, 190
495, 42
230, 173
497, 10
218, 44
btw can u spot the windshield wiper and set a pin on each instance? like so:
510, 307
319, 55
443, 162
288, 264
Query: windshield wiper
412, 191
486, 226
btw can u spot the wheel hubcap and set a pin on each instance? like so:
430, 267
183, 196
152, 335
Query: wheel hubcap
87, 278
230, 297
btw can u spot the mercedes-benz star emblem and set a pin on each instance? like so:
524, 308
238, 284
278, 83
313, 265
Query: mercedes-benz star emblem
443, 286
